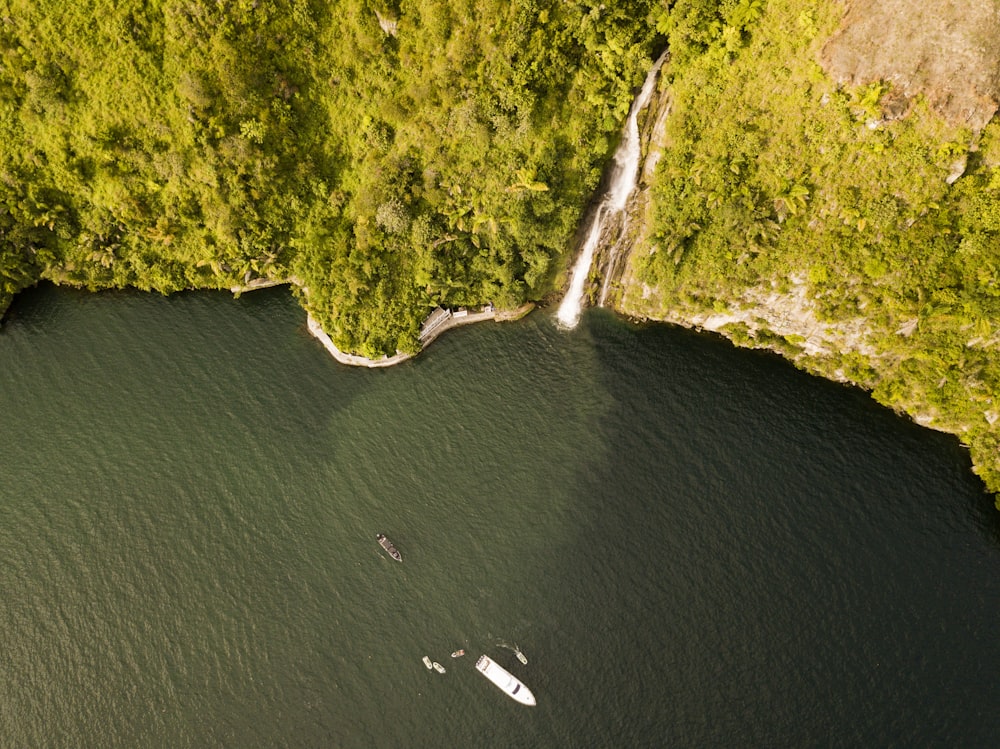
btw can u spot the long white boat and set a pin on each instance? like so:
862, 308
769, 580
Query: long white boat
508, 683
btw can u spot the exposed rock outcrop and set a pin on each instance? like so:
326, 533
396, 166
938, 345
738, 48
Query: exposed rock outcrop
947, 51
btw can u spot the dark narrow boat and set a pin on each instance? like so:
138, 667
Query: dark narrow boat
386, 544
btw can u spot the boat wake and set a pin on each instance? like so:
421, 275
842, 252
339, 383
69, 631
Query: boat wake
516, 650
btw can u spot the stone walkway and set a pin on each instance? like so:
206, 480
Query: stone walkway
436, 323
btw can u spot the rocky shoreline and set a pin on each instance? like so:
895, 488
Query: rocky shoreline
782, 316
436, 323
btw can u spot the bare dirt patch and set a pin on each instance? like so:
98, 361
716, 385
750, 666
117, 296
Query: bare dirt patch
947, 50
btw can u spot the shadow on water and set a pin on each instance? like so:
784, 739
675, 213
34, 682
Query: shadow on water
693, 545
774, 546
821, 404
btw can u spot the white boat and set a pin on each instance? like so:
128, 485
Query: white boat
520, 656
438, 667
504, 679
427, 662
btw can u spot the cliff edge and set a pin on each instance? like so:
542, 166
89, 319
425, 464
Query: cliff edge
827, 185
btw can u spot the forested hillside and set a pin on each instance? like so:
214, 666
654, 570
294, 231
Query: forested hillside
869, 207
389, 156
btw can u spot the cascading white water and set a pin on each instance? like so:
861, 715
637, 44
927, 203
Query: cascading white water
623, 180
572, 303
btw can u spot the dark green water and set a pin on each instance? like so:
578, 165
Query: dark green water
693, 545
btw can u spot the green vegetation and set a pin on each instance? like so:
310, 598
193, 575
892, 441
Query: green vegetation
774, 176
394, 155
390, 156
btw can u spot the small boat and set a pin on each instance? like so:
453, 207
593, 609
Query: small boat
386, 544
521, 656
438, 667
505, 680
427, 662
458, 654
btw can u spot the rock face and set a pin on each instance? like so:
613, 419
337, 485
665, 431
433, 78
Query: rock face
946, 50
788, 313
945, 53
611, 258
388, 22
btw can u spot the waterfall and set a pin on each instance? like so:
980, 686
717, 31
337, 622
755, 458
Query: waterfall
624, 174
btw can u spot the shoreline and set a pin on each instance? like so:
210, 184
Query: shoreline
436, 323
439, 321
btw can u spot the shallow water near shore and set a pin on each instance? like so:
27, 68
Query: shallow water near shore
693, 545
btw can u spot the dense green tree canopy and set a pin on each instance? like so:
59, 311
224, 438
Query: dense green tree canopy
390, 156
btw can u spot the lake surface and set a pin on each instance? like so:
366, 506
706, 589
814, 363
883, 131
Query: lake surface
693, 545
